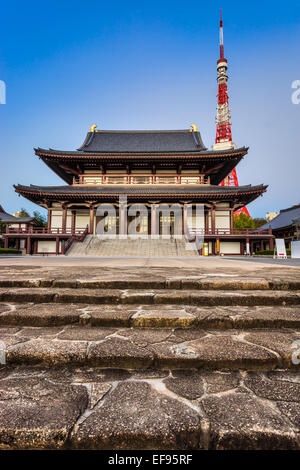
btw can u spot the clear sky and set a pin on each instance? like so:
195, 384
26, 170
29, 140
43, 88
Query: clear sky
149, 65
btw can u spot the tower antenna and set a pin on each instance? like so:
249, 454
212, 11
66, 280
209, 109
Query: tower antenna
223, 120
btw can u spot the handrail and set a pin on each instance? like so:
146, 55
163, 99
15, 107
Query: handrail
44, 230
74, 238
228, 231
142, 178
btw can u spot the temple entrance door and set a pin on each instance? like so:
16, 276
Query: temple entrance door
143, 226
111, 221
166, 224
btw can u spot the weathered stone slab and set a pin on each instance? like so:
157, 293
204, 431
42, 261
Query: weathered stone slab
145, 336
88, 296
135, 416
239, 421
225, 284
121, 284
42, 314
142, 347
214, 352
272, 389
38, 295
47, 352
118, 352
279, 341
35, 413
137, 297
87, 334
104, 315
163, 316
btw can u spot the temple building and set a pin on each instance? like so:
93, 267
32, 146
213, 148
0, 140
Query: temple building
149, 167
154, 168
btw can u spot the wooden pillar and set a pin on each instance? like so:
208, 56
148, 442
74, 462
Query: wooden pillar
49, 220
261, 245
206, 223
57, 246
73, 222
28, 246
6, 242
271, 243
213, 220
231, 221
213, 247
92, 216
35, 246
64, 219
18, 243
153, 219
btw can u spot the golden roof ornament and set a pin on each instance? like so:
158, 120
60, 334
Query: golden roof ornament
93, 127
194, 128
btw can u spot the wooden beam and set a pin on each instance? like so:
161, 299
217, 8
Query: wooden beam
214, 168
71, 170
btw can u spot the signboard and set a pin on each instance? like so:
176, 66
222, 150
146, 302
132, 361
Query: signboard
295, 249
280, 251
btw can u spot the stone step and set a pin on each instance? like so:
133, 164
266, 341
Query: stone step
71, 408
159, 348
192, 283
149, 316
146, 297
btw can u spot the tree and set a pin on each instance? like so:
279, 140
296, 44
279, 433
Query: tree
2, 227
243, 221
40, 218
22, 213
259, 222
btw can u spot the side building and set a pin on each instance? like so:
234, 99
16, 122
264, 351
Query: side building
286, 225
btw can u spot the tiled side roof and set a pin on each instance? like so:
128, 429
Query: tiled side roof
284, 218
7, 218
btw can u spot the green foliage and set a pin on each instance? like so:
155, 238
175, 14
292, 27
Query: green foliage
2, 227
7, 251
259, 222
22, 213
40, 218
245, 221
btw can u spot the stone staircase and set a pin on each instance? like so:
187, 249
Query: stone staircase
133, 247
172, 363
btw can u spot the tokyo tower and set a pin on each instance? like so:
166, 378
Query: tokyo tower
223, 119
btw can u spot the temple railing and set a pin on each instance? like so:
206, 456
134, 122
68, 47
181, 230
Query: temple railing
74, 238
228, 231
43, 230
142, 179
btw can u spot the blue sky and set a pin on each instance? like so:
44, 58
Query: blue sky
149, 65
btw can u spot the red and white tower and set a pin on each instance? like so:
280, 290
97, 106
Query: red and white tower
223, 119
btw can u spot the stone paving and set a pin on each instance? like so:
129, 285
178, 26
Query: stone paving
150, 358
84, 408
